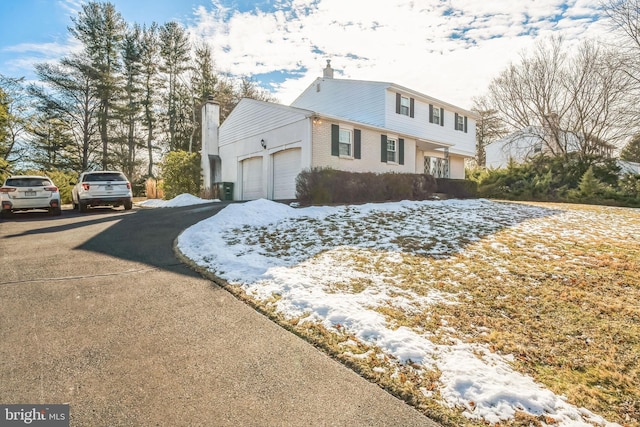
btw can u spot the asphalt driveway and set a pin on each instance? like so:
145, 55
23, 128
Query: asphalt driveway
97, 312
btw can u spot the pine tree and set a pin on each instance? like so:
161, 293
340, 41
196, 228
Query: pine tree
174, 51
100, 28
67, 95
130, 108
150, 56
631, 151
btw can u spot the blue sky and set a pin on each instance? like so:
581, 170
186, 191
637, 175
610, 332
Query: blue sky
449, 49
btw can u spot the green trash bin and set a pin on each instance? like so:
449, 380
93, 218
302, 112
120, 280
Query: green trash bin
226, 192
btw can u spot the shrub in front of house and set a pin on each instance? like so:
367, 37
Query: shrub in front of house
457, 188
325, 185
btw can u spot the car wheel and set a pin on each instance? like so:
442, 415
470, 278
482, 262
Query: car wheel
75, 206
5, 213
55, 211
128, 204
83, 206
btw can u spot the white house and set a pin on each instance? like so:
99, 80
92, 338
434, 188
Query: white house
352, 125
527, 143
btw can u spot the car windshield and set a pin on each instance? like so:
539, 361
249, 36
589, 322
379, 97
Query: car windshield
27, 182
106, 176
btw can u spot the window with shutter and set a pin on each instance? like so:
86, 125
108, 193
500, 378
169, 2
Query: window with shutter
335, 140
357, 146
345, 140
392, 150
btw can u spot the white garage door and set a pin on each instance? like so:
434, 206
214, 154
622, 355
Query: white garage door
252, 187
286, 167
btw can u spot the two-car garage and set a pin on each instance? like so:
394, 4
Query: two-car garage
285, 165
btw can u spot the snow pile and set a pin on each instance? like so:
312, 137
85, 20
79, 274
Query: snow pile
178, 201
310, 258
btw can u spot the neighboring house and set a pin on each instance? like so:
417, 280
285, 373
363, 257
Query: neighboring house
358, 126
518, 147
629, 168
524, 144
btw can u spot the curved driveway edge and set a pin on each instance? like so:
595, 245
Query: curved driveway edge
97, 312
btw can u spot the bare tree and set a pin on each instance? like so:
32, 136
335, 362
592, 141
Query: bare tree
489, 128
569, 103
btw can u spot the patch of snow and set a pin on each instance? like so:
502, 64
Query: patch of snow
308, 263
178, 201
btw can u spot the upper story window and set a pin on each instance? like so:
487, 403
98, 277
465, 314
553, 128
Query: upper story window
391, 150
346, 141
404, 105
436, 115
461, 123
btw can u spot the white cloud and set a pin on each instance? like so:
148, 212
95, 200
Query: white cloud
406, 42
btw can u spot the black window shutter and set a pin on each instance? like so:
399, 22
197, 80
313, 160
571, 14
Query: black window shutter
465, 124
356, 144
455, 124
442, 117
398, 100
335, 140
401, 151
430, 113
383, 149
412, 103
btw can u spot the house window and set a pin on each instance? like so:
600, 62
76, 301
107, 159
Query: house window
436, 116
391, 150
404, 105
460, 123
437, 167
537, 147
345, 140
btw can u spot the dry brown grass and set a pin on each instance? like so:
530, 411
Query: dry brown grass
560, 293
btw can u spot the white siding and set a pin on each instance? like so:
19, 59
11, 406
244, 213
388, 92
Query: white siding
419, 126
253, 118
286, 167
374, 103
354, 100
252, 179
280, 127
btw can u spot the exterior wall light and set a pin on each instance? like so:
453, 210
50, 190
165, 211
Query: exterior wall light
263, 143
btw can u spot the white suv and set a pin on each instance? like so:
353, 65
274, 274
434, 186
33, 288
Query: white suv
102, 188
27, 192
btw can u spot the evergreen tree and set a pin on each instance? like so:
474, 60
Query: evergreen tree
52, 146
130, 109
100, 28
631, 151
16, 113
175, 53
67, 95
149, 56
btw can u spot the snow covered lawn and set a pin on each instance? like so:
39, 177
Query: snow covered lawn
473, 311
